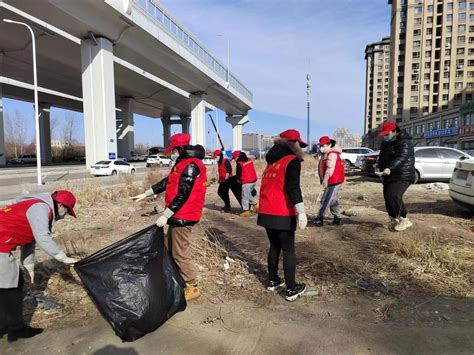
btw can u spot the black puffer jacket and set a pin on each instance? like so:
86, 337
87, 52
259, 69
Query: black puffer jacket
399, 157
292, 188
186, 183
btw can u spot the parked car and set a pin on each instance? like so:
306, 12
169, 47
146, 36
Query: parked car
209, 161
112, 167
24, 159
158, 160
368, 162
136, 157
461, 187
349, 156
436, 163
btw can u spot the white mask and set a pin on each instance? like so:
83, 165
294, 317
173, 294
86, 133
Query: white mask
324, 149
174, 156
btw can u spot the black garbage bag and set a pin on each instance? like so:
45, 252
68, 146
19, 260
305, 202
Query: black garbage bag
134, 283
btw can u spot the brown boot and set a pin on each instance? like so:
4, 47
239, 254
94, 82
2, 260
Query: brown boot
191, 292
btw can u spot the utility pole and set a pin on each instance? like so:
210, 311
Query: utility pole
308, 106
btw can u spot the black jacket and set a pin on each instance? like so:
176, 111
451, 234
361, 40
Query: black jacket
399, 157
292, 186
186, 183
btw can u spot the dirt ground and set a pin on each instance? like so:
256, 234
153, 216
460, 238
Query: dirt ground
370, 290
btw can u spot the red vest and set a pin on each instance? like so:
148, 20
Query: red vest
222, 170
248, 172
273, 197
192, 208
338, 175
15, 229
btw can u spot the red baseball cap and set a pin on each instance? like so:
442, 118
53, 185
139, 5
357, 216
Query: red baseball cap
216, 153
235, 154
324, 140
178, 140
67, 199
386, 128
293, 135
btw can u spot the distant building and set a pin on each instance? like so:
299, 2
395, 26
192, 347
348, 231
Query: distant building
346, 139
268, 142
250, 141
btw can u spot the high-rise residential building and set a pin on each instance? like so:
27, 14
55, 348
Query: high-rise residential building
346, 139
432, 57
377, 57
251, 141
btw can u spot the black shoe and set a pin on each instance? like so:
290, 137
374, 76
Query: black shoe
337, 222
2, 333
226, 209
297, 291
319, 222
274, 285
26, 332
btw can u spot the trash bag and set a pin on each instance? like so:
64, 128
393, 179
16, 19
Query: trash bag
134, 283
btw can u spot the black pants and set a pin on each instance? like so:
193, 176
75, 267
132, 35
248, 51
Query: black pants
230, 184
282, 240
393, 194
11, 307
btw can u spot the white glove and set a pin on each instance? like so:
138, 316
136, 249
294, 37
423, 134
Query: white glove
31, 271
161, 222
302, 221
139, 197
386, 171
65, 259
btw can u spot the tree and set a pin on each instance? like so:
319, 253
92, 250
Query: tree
67, 135
15, 133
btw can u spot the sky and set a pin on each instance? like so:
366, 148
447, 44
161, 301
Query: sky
273, 45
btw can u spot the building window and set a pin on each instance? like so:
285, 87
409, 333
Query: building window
446, 86
417, 32
416, 44
458, 97
416, 55
450, 5
428, 42
445, 97
426, 87
425, 109
471, 5
403, 14
471, 28
462, 5
467, 120
462, 16
414, 88
449, 18
415, 65
428, 54
429, 19
461, 39
470, 74
448, 41
418, 10
413, 109
418, 21
458, 86
470, 51
430, 8
426, 98
449, 29
462, 28
447, 52
403, 25
426, 76
427, 65
446, 75
415, 77
471, 17
460, 51
429, 30
471, 40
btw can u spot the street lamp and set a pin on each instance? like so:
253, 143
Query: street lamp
35, 84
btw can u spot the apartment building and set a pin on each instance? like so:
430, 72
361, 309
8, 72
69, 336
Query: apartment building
377, 59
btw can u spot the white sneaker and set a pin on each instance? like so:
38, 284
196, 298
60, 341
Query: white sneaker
404, 223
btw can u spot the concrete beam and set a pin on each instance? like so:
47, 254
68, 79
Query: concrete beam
125, 129
166, 122
237, 123
198, 118
98, 92
3, 158
45, 133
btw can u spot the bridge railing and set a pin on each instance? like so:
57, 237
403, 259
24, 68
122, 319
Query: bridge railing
159, 15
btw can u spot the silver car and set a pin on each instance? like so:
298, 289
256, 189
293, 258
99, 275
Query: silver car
436, 163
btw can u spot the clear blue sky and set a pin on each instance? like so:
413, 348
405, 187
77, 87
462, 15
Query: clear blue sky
273, 44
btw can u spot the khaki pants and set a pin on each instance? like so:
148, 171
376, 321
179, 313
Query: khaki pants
178, 242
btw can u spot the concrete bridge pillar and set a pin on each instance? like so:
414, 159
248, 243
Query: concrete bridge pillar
237, 123
125, 129
45, 133
166, 121
98, 92
198, 118
185, 122
3, 159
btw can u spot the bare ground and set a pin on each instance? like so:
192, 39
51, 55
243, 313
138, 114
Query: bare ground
371, 290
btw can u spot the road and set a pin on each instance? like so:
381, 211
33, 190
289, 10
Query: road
21, 180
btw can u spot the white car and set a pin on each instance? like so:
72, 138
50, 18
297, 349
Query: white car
209, 161
112, 167
349, 156
436, 163
158, 160
461, 186
24, 159
136, 157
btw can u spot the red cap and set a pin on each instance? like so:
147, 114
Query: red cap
324, 140
386, 128
235, 154
67, 199
216, 153
178, 140
293, 135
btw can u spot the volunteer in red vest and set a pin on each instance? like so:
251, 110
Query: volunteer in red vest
23, 224
247, 176
185, 188
224, 170
331, 174
281, 209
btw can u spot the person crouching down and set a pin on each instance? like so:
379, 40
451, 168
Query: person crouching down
24, 224
331, 174
185, 188
282, 209
247, 176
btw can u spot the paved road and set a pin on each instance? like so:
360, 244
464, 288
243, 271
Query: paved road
17, 181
